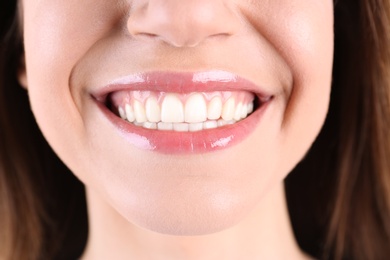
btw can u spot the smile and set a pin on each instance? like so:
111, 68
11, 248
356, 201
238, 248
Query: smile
183, 112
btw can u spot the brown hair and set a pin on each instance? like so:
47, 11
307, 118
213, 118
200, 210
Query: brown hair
42, 205
338, 196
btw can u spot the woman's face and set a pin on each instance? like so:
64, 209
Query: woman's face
190, 157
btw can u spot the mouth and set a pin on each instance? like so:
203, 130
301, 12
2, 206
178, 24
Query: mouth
172, 112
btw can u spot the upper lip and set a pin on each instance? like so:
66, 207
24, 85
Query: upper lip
181, 82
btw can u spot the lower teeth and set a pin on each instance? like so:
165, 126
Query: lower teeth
185, 127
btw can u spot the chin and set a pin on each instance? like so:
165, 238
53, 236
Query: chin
181, 218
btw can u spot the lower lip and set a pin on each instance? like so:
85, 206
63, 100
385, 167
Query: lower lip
171, 142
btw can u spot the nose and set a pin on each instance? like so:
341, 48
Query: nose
182, 23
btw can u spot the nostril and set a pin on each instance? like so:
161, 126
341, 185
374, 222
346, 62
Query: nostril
183, 23
145, 34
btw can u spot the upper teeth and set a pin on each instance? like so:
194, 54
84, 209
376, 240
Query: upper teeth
190, 112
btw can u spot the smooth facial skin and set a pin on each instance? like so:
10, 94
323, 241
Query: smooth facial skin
74, 47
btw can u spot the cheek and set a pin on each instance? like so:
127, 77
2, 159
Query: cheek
56, 36
305, 38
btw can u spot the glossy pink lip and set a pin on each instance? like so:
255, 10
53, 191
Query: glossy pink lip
172, 142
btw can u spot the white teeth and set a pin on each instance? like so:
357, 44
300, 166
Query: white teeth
195, 127
214, 109
228, 110
244, 112
237, 112
195, 110
139, 112
167, 111
121, 113
152, 108
129, 113
181, 127
165, 126
210, 124
221, 122
172, 109
250, 108
150, 125
185, 127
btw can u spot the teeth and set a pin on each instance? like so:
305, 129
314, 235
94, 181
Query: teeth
195, 109
152, 110
169, 111
181, 127
129, 113
139, 112
122, 113
228, 110
237, 112
150, 125
186, 127
195, 127
221, 122
210, 124
172, 110
244, 112
214, 109
164, 126
250, 108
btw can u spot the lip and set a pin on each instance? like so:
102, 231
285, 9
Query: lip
171, 142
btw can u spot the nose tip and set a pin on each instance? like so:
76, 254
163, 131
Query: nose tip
182, 23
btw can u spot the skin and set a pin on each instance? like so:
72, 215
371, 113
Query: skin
233, 198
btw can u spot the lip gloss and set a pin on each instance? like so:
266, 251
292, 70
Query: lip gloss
174, 142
